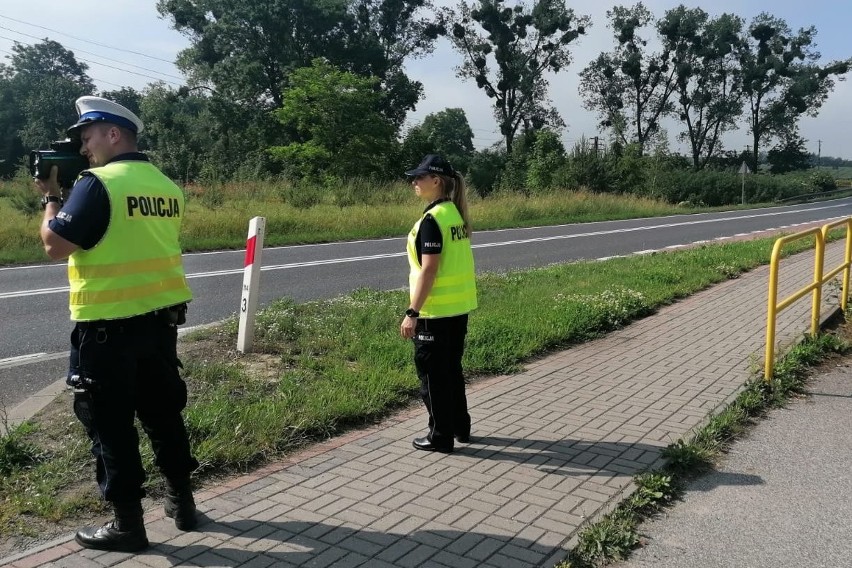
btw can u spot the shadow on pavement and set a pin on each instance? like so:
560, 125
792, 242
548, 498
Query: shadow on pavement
828, 394
566, 457
711, 479
298, 543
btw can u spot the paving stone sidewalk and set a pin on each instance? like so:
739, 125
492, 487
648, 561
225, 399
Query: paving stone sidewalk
553, 448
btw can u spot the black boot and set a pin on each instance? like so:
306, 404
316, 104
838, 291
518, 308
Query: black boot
179, 503
125, 533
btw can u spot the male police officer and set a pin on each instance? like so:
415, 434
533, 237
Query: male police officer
119, 232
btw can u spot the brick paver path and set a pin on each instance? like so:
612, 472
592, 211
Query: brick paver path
554, 447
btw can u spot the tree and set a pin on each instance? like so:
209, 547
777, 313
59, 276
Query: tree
337, 119
415, 144
707, 86
380, 36
781, 79
48, 59
447, 133
11, 118
128, 97
247, 49
179, 131
485, 168
49, 80
790, 156
192, 134
629, 88
38, 88
521, 44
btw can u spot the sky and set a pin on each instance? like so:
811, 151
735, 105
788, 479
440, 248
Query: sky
129, 44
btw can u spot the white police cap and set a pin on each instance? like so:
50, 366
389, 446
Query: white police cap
96, 109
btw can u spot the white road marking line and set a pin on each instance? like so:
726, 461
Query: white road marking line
10, 362
21, 293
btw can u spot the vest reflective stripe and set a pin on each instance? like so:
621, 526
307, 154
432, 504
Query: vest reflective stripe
136, 267
454, 290
123, 268
130, 293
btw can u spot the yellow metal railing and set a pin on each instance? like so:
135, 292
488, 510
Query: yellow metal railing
815, 287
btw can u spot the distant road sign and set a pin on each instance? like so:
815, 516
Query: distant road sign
744, 169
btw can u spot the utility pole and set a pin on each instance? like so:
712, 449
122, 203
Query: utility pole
595, 138
819, 152
743, 171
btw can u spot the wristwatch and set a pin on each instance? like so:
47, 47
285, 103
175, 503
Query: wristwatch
412, 313
45, 199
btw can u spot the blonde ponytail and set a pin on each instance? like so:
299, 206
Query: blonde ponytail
456, 190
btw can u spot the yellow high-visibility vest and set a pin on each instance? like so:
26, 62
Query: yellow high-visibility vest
454, 291
136, 267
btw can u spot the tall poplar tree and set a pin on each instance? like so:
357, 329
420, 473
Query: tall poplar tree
707, 98
782, 79
509, 50
630, 87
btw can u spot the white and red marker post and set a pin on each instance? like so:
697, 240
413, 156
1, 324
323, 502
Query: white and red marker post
251, 283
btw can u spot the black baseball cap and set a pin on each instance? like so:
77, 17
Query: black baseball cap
432, 164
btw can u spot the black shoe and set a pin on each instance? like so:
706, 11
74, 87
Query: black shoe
179, 504
463, 438
426, 444
108, 537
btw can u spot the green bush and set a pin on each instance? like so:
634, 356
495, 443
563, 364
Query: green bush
717, 188
707, 188
628, 170
514, 174
818, 181
548, 157
766, 188
586, 169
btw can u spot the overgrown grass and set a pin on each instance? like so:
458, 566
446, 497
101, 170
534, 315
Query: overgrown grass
39, 461
217, 215
613, 537
15, 452
839, 173
322, 367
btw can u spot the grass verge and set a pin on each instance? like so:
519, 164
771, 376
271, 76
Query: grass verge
616, 534
322, 367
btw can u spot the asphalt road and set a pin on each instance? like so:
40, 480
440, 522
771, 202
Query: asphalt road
34, 326
780, 497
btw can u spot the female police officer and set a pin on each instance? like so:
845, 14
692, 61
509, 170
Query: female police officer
442, 293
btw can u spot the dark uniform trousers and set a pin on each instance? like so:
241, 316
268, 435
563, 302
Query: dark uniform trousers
438, 350
121, 369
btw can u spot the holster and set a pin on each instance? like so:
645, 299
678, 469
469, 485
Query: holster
173, 315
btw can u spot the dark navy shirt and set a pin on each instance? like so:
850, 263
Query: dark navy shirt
429, 239
84, 218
